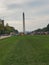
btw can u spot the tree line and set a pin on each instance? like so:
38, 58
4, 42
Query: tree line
45, 29
7, 29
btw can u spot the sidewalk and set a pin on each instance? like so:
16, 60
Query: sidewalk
2, 37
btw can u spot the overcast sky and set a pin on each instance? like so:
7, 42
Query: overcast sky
36, 13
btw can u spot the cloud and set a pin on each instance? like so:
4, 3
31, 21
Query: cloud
37, 22
36, 13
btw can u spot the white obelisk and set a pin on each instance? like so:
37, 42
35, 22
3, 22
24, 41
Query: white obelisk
23, 23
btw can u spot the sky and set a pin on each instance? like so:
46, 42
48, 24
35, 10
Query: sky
36, 13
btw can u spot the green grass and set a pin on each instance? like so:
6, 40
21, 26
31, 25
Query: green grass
24, 50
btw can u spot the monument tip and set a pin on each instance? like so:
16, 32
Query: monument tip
23, 12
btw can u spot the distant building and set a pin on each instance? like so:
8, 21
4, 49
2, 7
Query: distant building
1, 22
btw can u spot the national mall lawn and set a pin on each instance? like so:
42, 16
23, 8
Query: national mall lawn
25, 50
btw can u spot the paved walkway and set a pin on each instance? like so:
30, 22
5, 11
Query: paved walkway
2, 37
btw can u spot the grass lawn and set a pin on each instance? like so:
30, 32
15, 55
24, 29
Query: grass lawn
24, 50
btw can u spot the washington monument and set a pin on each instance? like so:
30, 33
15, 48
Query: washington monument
23, 23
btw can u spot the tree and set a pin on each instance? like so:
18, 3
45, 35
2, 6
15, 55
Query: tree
48, 27
9, 29
1, 29
16, 31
